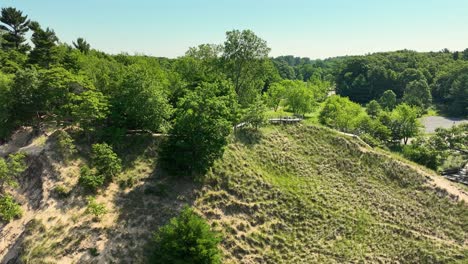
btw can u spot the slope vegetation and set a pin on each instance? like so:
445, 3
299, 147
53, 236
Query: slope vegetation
308, 195
298, 194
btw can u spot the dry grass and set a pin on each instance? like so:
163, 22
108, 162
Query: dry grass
288, 195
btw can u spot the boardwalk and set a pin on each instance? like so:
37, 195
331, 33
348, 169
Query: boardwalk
277, 120
285, 120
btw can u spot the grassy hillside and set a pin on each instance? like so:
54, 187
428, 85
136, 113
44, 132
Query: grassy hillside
286, 195
306, 195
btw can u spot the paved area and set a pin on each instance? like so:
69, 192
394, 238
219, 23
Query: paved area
432, 122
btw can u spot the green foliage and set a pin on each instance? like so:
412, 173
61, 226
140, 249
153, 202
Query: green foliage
202, 121
373, 108
15, 25
186, 239
453, 162
340, 113
245, 58
90, 180
16, 163
89, 109
105, 160
388, 100
300, 97
24, 96
62, 191
82, 45
417, 93
5, 102
458, 95
9, 209
94, 208
422, 154
141, 102
45, 41
255, 115
404, 122
65, 144
275, 94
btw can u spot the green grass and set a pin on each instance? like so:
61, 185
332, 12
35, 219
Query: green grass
306, 195
285, 194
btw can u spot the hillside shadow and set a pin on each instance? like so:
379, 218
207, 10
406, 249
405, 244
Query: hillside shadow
248, 136
141, 211
132, 147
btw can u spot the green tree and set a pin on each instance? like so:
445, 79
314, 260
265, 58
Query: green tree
90, 109
24, 94
422, 154
105, 160
5, 104
275, 94
141, 101
65, 144
373, 108
15, 26
245, 58
458, 96
202, 121
340, 113
465, 54
405, 122
44, 53
418, 93
388, 100
186, 239
256, 114
82, 45
300, 97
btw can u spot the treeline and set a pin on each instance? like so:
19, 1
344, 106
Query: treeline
418, 79
196, 98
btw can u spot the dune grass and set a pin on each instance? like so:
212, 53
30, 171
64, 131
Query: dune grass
305, 195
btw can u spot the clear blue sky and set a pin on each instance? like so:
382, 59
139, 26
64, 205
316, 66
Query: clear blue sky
312, 28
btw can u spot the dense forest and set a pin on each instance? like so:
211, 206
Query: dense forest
197, 99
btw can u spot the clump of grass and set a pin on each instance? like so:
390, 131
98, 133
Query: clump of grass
95, 209
62, 191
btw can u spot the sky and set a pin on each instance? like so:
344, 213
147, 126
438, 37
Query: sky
306, 28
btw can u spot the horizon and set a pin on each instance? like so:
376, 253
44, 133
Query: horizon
311, 29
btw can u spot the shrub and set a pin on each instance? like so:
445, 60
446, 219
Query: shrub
9, 209
89, 179
453, 162
187, 238
94, 208
421, 155
62, 191
106, 162
65, 144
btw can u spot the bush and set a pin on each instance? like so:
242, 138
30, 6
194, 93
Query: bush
65, 144
9, 209
62, 191
453, 162
421, 155
89, 179
106, 162
187, 238
94, 208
